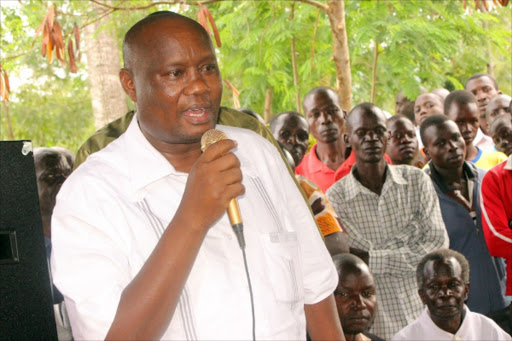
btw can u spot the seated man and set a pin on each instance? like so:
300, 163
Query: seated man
291, 131
496, 204
443, 285
403, 142
484, 87
457, 184
501, 132
426, 105
499, 105
461, 107
53, 166
391, 213
356, 297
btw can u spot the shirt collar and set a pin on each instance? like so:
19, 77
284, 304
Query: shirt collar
145, 164
468, 169
314, 163
354, 187
508, 165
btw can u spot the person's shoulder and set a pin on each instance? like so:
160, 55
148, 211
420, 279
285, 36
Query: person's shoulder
494, 157
409, 173
103, 137
486, 326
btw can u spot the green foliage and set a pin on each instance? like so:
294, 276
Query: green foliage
424, 43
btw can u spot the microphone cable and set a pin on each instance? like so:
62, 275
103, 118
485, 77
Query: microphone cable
239, 232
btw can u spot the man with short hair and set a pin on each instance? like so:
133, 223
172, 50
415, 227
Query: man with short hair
457, 184
391, 213
444, 285
461, 107
499, 105
403, 142
426, 105
356, 297
496, 204
501, 131
484, 87
143, 247
326, 161
53, 166
292, 130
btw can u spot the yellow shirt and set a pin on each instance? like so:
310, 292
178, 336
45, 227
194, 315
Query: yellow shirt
487, 160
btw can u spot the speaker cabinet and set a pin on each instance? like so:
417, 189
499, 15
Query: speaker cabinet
26, 307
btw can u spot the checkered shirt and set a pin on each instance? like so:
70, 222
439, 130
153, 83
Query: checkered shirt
397, 228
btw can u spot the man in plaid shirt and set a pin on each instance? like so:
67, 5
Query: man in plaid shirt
392, 217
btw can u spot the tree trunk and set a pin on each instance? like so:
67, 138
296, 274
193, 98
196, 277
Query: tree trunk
336, 14
295, 69
107, 95
374, 71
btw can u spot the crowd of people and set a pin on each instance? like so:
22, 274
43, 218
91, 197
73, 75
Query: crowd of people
387, 227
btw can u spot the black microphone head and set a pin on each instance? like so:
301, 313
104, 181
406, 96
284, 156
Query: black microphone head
210, 137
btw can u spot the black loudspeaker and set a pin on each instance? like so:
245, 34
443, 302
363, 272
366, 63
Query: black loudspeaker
26, 307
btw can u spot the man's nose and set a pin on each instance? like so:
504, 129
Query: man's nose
358, 302
372, 136
196, 85
445, 291
326, 118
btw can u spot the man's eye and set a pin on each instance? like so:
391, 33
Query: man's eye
175, 73
411, 134
487, 89
429, 105
368, 293
210, 67
285, 134
303, 136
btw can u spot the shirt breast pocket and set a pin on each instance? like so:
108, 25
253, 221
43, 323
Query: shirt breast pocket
284, 269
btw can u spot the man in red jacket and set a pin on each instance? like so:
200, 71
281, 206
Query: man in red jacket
496, 202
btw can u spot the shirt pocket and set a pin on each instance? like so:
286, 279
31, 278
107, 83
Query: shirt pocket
284, 270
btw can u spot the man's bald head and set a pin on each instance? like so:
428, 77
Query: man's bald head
321, 90
363, 109
347, 264
134, 34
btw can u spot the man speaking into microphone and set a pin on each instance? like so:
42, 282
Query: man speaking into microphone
142, 245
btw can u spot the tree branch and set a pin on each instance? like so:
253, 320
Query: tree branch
315, 3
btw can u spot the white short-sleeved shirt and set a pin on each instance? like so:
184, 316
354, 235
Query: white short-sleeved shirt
474, 327
113, 209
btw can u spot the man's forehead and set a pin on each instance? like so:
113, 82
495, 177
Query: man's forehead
401, 124
479, 82
448, 267
321, 98
428, 98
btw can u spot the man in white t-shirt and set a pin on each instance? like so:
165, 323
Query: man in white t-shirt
443, 282
143, 248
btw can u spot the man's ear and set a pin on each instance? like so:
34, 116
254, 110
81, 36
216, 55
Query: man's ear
126, 78
425, 150
466, 294
422, 296
346, 139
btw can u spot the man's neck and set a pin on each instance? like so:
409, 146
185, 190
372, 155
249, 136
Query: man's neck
471, 152
356, 337
452, 325
451, 176
371, 175
331, 154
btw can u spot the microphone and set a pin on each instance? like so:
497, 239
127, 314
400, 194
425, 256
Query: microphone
233, 210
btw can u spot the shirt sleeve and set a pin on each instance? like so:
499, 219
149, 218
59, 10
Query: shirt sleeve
430, 234
497, 231
89, 262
